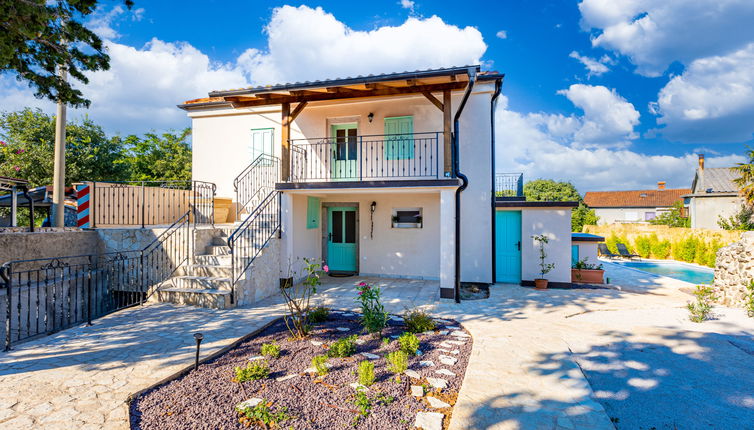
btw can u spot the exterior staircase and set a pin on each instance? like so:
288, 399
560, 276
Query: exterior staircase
207, 281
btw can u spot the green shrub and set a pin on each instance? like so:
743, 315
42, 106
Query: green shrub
366, 373
613, 241
318, 363
418, 321
409, 343
643, 246
711, 256
685, 249
660, 249
700, 253
373, 315
749, 304
397, 361
343, 347
262, 414
253, 371
271, 349
700, 310
319, 315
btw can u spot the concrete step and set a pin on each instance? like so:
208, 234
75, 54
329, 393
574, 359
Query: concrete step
218, 250
205, 298
220, 241
207, 270
201, 282
214, 260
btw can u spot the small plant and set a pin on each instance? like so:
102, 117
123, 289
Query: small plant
385, 341
319, 315
364, 404
318, 363
418, 321
366, 373
252, 372
409, 343
271, 349
397, 361
374, 317
700, 310
544, 268
297, 297
262, 414
343, 347
583, 265
750, 299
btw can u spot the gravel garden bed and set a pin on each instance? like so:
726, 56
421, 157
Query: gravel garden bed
293, 395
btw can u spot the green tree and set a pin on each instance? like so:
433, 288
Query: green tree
27, 149
745, 180
673, 218
38, 36
741, 220
554, 191
159, 157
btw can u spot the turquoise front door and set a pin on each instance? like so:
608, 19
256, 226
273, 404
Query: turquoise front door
341, 239
508, 246
344, 147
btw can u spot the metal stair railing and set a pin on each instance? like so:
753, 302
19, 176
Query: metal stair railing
256, 181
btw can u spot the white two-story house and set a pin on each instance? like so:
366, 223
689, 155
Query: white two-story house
387, 175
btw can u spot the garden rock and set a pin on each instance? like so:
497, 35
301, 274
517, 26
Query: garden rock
249, 403
316, 343
370, 356
448, 360
417, 390
356, 386
256, 357
429, 420
443, 332
412, 374
286, 377
426, 363
437, 403
459, 333
452, 327
359, 341
313, 370
438, 382
445, 372
342, 329
456, 342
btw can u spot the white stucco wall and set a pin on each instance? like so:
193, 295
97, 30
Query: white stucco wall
705, 211
556, 224
587, 250
621, 215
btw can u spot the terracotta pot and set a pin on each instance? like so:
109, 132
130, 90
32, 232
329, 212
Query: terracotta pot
587, 276
540, 284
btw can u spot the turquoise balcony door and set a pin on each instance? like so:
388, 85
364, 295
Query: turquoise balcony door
341, 239
345, 151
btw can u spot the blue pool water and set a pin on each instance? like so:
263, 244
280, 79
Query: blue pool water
684, 272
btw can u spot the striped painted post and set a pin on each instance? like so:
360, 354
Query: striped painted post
82, 197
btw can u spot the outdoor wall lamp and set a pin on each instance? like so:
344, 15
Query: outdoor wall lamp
198, 337
372, 207
370, 117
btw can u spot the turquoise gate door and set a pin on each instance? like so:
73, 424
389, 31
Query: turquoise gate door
508, 246
341, 239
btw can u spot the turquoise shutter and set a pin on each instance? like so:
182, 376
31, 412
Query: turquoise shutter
399, 139
312, 212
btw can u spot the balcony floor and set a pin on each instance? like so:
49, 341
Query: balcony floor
401, 183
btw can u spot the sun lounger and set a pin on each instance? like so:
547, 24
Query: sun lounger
623, 251
604, 252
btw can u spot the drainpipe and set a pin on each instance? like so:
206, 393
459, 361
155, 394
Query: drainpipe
493, 106
464, 182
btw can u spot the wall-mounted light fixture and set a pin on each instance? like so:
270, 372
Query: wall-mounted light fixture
370, 117
372, 207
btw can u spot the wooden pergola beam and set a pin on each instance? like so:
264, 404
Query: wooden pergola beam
300, 107
433, 99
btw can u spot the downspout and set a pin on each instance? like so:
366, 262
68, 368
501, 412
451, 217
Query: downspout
493, 106
464, 183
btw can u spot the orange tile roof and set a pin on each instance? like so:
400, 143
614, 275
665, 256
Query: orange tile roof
634, 198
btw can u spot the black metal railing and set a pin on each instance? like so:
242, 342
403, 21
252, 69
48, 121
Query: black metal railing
252, 235
151, 202
43, 296
255, 182
372, 157
509, 185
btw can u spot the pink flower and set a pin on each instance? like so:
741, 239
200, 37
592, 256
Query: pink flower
2, 143
20, 151
325, 268
17, 168
362, 284
361, 292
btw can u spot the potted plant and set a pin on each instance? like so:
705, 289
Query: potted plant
587, 273
544, 268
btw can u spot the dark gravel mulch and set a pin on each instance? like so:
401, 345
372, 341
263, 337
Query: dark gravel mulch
206, 398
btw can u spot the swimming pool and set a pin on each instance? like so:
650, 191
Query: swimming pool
684, 272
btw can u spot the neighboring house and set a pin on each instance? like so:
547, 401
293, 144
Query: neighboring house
378, 175
635, 206
713, 195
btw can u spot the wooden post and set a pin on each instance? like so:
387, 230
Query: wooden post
446, 127
285, 156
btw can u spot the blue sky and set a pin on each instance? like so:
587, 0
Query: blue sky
609, 94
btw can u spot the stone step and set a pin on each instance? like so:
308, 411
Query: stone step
214, 260
200, 282
206, 270
205, 298
217, 250
220, 241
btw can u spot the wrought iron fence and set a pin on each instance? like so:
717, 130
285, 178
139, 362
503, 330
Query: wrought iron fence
43, 296
253, 234
372, 157
509, 185
256, 181
150, 202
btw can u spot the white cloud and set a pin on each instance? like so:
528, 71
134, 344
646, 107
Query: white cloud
527, 144
653, 34
502, 34
712, 101
608, 118
408, 4
301, 42
595, 67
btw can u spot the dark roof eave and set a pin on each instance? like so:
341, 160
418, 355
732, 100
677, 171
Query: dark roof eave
187, 106
713, 194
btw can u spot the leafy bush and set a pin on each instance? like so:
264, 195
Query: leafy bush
700, 310
318, 363
366, 373
364, 404
374, 317
397, 361
660, 248
271, 350
685, 249
418, 321
253, 371
643, 246
613, 241
409, 343
319, 315
343, 347
749, 304
711, 256
298, 295
262, 414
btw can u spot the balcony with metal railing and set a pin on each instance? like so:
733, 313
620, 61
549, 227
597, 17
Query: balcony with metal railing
389, 157
509, 186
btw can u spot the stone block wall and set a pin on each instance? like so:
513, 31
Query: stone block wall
734, 270
262, 278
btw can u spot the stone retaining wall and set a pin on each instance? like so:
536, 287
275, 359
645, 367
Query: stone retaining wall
262, 278
734, 270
